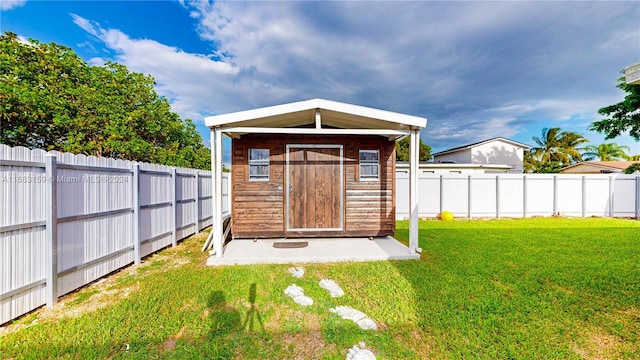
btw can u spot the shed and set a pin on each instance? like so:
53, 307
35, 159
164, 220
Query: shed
314, 168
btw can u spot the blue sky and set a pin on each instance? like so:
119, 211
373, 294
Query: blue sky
475, 70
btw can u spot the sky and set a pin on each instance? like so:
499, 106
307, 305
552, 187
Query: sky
475, 70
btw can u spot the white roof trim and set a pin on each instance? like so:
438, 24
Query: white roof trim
301, 106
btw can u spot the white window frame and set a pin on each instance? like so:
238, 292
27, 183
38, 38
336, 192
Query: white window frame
362, 163
259, 162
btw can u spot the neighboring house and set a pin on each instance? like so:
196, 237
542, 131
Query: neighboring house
597, 167
508, 154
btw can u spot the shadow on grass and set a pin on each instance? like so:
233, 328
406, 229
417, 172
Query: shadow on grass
228, 330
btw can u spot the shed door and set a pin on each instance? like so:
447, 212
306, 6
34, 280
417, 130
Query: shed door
314, 188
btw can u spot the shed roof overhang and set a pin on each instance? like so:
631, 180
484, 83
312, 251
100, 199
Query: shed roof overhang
317, 116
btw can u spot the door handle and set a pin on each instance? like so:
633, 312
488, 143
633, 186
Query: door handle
290, 189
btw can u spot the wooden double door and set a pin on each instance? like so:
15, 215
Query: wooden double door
314, 188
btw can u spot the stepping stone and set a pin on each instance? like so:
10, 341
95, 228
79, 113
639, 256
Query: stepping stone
332, 287
358, 317
357, 353
297, 272
297, 294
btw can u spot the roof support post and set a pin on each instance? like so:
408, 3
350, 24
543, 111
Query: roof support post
318, 119
414, 155
217, 196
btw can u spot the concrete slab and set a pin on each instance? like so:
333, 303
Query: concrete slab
320, 250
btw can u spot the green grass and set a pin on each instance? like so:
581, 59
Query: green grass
522, 289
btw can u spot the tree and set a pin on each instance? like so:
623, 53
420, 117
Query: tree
605, 152
557, 146
622, 116
632, 168
52, 99
532, 164
402, 150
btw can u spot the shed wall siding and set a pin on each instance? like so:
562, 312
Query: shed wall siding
259, 206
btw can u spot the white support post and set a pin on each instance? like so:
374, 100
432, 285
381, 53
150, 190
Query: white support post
497, 197
637, 196
414, 156
213, 190
524, 196
217, 203
584, 196
136, 213
610, 196
197, 220
51, 232
318, 119
555, 195
174, 208
441, 195
469, 203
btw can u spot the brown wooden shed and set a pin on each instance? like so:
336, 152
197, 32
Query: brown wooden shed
314, 168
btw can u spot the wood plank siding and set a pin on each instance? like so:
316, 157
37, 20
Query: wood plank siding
259, 208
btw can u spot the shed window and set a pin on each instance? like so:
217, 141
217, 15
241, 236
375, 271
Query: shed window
369, 165
258, 164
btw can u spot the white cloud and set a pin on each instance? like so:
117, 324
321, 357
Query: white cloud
475, 69
10, 4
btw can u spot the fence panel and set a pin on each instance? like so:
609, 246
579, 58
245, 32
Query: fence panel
483, 196
93, 224
22, 231
625, 205
540, 195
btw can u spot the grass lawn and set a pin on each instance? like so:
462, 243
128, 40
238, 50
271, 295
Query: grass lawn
527, 289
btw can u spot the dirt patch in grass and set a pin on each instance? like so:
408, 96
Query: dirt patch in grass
600, 345
307, 344
170, 343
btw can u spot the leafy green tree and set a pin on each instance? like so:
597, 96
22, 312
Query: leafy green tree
622, 116
558, 146
605, 152
402, 150
632, 168
52, 99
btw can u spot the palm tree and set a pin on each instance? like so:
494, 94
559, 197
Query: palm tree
556, 146
534, 165
606, 152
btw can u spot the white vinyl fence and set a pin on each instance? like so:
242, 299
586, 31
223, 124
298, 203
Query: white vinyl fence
521, 195
67, 220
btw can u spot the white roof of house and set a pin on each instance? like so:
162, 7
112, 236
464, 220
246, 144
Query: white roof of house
469, 146
333, 114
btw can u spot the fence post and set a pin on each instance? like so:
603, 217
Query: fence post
610, 196
584, 196
497, 197
469, 215
197, 201
51, 232
524, 196
136, 213
174, 208
441, 195
637, 196
555, 194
